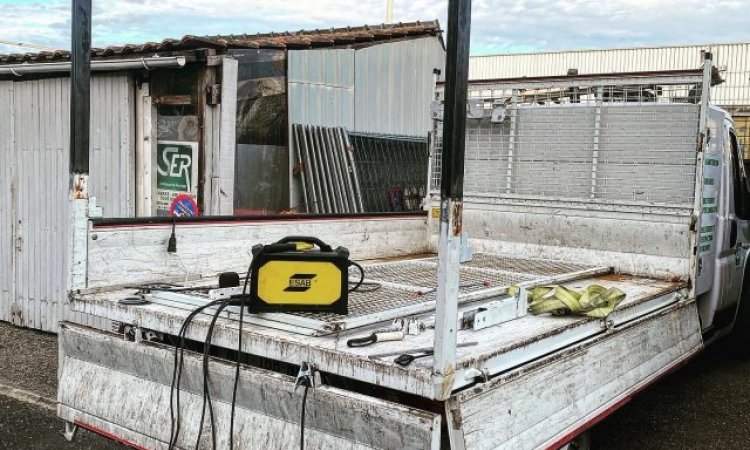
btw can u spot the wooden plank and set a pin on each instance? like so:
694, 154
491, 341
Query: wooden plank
173, 100
537, 404
131, 389
227, 135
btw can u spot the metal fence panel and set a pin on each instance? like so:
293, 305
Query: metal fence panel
606, 142
392, 171
733, 59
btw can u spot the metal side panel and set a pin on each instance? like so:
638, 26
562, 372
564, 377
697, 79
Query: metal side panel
123, 388
540, 405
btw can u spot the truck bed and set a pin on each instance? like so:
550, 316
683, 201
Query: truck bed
321, 338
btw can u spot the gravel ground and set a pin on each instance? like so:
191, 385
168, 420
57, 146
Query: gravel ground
28, 360
24, 426
704, 405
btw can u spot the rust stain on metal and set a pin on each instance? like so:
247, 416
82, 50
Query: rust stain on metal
457, 216
79, 189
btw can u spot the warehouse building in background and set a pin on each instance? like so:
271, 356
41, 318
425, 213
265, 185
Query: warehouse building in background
733, 60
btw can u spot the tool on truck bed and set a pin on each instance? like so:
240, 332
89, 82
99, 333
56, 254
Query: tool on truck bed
296, 273
300, 273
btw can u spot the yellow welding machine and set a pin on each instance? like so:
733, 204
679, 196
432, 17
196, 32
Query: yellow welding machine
299, 273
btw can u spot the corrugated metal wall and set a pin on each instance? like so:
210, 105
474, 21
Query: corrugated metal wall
112, 145
734, 59
37, 151
394, 86
6, 200
321, 87
385, 88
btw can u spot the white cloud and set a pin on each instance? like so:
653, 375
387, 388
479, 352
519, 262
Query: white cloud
497, 26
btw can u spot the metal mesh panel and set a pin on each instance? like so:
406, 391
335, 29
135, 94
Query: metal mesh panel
525, 266
424, 274
364, 302
392, 171
620, 143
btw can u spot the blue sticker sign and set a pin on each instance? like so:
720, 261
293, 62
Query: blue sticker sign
183, 205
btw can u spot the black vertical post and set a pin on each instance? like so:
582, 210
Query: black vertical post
80, 87
451, 191
454, 114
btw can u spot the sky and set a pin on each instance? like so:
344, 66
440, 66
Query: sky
498, 26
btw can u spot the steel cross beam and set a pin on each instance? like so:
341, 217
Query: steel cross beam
451, 193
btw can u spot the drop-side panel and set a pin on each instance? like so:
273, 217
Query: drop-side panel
112, 384
538, 405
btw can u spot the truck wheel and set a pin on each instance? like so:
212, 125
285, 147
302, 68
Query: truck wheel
581, 442
740, 337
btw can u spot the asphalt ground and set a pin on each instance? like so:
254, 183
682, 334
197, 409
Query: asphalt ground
703, 405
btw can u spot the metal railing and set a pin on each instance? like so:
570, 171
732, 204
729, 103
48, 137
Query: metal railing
611, 139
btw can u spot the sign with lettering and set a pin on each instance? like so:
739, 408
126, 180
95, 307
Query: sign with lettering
176, 174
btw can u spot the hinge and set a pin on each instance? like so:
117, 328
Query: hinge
213, 94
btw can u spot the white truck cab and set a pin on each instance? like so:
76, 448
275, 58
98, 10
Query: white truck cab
724, 230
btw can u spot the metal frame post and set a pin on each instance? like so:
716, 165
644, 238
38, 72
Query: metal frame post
80, 97
451, 193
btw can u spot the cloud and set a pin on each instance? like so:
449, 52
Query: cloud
497, 26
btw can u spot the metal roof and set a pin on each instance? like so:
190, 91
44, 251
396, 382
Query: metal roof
304, 39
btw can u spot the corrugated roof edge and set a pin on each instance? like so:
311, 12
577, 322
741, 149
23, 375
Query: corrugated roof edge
302, 39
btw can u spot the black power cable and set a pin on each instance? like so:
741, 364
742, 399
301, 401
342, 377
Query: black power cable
302, 417
243, 298
206, 387
174, 394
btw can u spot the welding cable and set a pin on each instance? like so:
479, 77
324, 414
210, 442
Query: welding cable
174, 398
239, 354
206, 389
302, 417
361, 277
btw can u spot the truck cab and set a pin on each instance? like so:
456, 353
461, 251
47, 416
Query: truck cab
725, 225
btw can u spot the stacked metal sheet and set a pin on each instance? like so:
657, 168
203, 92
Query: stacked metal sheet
329, 176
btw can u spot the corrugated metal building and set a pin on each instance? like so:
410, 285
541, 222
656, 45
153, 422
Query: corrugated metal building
732, 59
223, 103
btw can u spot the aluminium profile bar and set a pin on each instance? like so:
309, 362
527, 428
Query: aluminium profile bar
161, 62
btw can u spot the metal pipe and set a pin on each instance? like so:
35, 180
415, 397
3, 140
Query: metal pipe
346, 168
451, 193
80, 93
352, 161
326, 204
310, 168
163, 62
296, 144
336, 161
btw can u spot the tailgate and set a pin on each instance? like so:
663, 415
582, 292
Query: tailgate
122, 388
